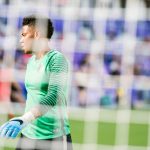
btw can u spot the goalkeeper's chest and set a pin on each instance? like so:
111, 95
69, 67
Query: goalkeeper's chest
37, 77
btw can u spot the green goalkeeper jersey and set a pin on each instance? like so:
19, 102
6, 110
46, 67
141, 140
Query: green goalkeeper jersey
46, 82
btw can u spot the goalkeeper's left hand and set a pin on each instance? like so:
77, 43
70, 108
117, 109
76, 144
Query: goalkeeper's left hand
13, 127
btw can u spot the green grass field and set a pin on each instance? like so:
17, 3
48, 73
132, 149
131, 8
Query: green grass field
138, 134
106, 132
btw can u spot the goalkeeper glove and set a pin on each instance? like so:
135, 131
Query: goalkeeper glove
13, 127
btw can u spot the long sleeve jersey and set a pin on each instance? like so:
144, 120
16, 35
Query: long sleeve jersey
46, 82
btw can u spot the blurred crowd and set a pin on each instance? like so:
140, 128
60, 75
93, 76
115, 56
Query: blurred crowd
110, 61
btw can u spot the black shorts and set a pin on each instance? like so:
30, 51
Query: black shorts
59, 143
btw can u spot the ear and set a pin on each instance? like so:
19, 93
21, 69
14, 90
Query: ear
37, 34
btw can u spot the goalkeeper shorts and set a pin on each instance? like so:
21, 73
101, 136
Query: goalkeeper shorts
59, 143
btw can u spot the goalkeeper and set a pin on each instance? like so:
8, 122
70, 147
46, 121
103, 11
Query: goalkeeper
46, 80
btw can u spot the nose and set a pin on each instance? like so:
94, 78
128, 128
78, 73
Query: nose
21, 40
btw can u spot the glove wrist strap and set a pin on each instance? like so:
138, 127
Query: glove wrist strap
28, 117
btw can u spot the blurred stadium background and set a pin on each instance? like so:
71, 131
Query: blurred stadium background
108, 45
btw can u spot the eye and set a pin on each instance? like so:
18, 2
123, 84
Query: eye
23, 34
